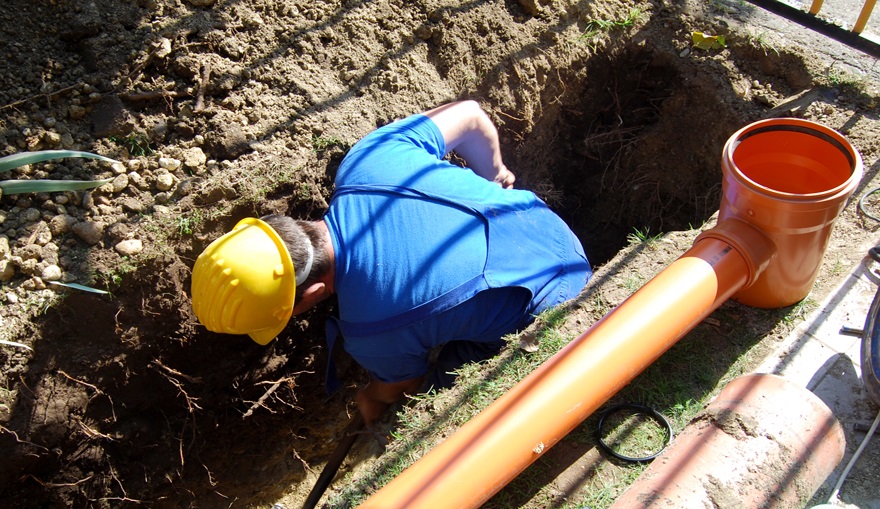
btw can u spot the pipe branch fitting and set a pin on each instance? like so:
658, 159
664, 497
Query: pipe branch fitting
756, 248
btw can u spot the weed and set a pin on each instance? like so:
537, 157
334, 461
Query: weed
799, 312
187, 224
596, 27
114, 277
642, 237
760, 42
632, 282
836, 78
321, 144
136, 144
13, 161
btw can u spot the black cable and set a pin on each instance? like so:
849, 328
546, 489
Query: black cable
638, 409
862, 204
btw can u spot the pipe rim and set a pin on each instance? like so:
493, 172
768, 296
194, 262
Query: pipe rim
824, 133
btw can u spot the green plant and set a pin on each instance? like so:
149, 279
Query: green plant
13, 161
322, 143
595, 26
760, 42
836, 78
135, 144
642, 237
187, 224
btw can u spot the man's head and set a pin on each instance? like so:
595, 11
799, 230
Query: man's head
247, 281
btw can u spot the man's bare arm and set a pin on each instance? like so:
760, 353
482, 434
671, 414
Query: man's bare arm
471, 134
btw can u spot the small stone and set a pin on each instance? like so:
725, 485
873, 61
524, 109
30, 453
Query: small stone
194, 157
169, 163
88, 231
129, 247
11, 297
51, 273
76, 112
164, 181
119, 183
61, 224
7, 270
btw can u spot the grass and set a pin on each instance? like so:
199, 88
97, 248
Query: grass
634, 434
595, 26
833, 77
760, 41
639, 236
678, 385
598, 27
136, 144
188, 223
321, 144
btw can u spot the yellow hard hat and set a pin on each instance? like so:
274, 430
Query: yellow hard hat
244, 282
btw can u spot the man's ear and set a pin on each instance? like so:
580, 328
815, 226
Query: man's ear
312, 295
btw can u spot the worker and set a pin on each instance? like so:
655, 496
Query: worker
424, 256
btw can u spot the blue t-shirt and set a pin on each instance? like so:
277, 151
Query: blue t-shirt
412, 252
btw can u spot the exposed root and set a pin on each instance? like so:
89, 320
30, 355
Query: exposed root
273, 386
94, 388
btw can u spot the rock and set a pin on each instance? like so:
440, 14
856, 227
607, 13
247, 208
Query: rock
7, 270
164, 181
49, 254
61, 224
132, 204
42, 235
229, 141
90, 232
129, 247
169, 163
194, 158
119, 183
51, 273
4, 248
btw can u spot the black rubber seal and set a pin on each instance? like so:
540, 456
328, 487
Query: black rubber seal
638, 409
864, 211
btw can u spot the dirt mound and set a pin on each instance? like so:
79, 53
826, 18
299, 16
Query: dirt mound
221, 110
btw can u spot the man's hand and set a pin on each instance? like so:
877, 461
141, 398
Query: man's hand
505, 178
374, 399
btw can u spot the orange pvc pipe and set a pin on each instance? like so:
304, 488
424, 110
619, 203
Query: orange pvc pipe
785, 182
789, 178
495, 446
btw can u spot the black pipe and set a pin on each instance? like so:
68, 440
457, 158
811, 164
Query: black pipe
817, 24
349, 438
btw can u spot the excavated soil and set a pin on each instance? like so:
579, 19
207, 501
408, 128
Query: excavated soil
222, 109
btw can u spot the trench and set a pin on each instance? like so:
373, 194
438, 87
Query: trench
190, 416
634, 151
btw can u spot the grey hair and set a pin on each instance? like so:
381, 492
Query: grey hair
298, 235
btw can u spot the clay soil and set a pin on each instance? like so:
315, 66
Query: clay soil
124, 399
